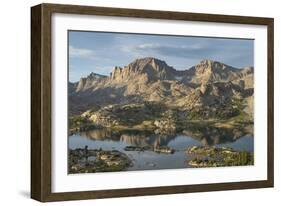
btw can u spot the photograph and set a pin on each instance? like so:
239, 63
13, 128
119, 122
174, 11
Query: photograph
150, 102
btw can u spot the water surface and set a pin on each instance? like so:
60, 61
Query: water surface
117, 140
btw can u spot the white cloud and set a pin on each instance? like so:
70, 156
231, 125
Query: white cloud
81, 53
148, 46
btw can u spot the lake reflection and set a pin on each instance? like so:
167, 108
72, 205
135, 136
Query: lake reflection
106, 139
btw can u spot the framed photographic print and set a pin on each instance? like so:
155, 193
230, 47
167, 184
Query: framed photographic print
130, 102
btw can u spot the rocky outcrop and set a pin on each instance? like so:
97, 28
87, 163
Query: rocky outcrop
89, 82
84, 160
218, 157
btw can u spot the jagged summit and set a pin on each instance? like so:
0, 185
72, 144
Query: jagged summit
207, 71
146, 68
214, 65
89, 81
95, 75
149, 60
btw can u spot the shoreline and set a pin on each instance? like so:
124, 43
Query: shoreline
223, 124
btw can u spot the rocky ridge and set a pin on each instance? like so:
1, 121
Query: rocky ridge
148, 92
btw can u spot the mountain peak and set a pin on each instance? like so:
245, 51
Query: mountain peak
213, 71
206, 61
93, 75
149, 59
149, 68
86, 82
213, 66
141, 62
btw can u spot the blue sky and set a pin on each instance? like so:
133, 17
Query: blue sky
99, 52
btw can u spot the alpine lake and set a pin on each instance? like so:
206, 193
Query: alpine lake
200, 146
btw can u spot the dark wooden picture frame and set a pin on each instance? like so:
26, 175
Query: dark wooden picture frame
41, 101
